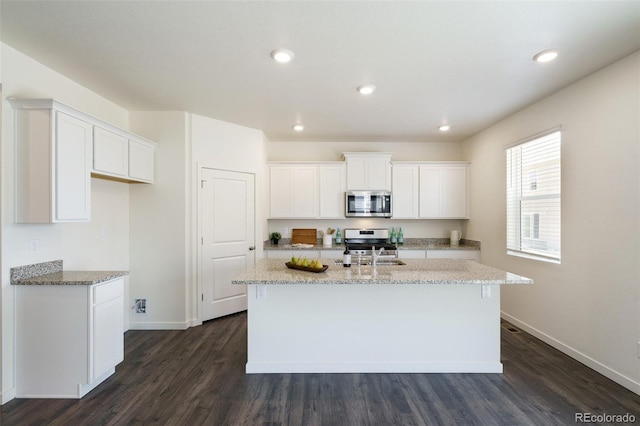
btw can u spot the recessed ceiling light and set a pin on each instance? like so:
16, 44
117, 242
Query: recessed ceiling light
298, 127
546, 55
282, 55
444, 128
366, 89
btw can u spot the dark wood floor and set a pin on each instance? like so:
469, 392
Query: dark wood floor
196, 377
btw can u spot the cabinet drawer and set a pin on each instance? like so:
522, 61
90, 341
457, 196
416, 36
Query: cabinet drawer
109, 290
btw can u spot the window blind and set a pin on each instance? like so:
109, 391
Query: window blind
533, 197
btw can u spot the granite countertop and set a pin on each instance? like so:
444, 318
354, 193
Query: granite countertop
416, 271
51, 273
409, 244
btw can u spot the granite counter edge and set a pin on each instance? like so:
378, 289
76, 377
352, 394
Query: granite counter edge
74, 278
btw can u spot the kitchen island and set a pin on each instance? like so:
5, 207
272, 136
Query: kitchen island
428, 316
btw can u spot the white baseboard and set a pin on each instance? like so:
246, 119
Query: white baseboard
608, 372
444, 367
7, 395
158, 325
194, 322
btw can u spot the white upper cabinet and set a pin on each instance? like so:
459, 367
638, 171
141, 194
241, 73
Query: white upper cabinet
120, 156
72, 175
53, 165
332, 188
306, 190
405, 191
110, 153
59, 149
141, 157
293, 191
443, 191
430, 190
280, 192
368, 171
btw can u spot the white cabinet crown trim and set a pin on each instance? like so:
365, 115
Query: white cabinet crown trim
59, 106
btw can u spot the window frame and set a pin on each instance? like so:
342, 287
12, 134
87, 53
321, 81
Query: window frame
517, 175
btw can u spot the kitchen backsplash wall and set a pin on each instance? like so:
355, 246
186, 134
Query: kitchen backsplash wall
412, 228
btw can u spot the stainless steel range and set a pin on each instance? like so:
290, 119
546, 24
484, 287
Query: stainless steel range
362, 242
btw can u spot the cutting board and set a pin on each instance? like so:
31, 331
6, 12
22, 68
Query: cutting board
304, 236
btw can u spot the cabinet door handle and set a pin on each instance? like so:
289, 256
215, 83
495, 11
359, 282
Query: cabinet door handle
252, 248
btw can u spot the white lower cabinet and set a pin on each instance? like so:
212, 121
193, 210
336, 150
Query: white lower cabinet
286, 254
454, 254
440, 254
331, 254
411, 254
69, 338
108, 325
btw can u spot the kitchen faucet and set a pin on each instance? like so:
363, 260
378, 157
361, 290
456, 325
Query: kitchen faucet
374, 256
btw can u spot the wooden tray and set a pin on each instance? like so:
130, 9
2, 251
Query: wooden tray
305, 268
304, 236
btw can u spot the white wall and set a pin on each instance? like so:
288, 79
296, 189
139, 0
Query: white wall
164, 215
332, 151
79, 245
589, 305
160, 219
221, 145
418, 228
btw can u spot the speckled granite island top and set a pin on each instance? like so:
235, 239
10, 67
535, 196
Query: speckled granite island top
51, 273
416, 271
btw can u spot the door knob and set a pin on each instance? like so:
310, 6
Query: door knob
252, 248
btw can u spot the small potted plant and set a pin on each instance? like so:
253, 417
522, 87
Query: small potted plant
275, 237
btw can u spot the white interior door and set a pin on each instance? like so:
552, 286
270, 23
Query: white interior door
227, 210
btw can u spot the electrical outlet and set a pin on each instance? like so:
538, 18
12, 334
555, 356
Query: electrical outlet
140, 306
486, 291
261, 291
285, 232
33, 246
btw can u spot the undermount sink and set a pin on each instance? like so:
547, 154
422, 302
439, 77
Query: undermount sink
380, 262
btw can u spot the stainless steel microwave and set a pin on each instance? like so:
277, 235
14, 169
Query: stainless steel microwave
368, 204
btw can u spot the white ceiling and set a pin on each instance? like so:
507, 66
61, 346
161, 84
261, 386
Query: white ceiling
463, 63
